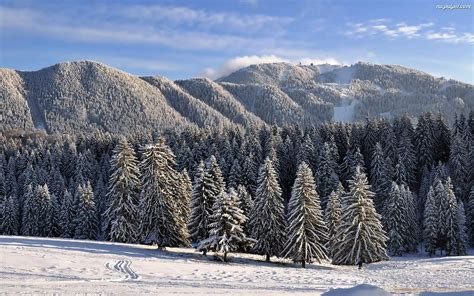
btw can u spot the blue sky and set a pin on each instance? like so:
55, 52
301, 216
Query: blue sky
182, 39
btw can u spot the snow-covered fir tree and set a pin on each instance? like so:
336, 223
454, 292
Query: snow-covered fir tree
326, 174
163, 221
352, 160
184, 188
122, 216
86, 222
462, 234
453, 228
470, 216
333, 218
430, 223
225, 230
208, 185
413, 234
307, 233
67, 215
362, 238
379, 177
246, 205
267, 219
10, 222
396, 224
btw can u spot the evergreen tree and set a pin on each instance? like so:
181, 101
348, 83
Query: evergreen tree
29, 221
470, 216
184, 192
395, 217
67, 215
267, 219
122, 214
326, 176
208, 185
235, 175
430, 223
351, 161
333, 218
405, 167
458, 165
307, 232
225, 231
412, 233
462, 234
163, 221
454, 243
86, 221
10, 223
424, 138
379, 177
362, 238
246, 205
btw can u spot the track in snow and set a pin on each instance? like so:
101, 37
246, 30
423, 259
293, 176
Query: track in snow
123, 267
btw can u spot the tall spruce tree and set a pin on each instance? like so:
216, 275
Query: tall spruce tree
10, 223
363, 239
430, 223
379, 177
208, 185
121, 217
333, 218
470, 216
454, 243
267, 219
163, 221
326, 176
395, 215
67, 215
246, 204
86, 222
307, 232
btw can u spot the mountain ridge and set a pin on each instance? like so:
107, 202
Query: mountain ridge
86, 96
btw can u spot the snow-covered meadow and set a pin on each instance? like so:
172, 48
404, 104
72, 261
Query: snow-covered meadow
44, 265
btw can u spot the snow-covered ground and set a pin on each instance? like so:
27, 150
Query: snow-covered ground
345, 112
44, 265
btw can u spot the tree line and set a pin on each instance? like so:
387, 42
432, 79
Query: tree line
349, 193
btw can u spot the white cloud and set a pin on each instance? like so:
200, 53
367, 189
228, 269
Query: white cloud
237, 63
65, 26
250, 2
384, 27
203, 18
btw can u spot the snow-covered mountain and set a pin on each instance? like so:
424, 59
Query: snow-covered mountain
86, 96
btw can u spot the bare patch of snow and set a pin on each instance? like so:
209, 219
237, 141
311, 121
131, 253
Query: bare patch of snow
345, 112
32, 265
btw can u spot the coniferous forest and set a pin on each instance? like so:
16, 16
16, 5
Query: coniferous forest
350, 193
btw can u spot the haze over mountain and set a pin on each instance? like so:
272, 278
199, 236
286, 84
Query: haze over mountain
86, 96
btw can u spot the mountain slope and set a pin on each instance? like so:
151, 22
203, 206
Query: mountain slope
87, 96
187, 105
215, 96
14, 109
377, 90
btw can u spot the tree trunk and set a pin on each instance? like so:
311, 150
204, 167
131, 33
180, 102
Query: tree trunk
268, 258
225, 256
303, 263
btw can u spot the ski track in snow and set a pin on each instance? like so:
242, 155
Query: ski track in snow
46, 266
123, 267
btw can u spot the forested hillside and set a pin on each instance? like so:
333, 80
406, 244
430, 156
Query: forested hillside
269, 190
87, 97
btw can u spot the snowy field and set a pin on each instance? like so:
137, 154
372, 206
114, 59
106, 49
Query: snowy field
43, 265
